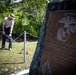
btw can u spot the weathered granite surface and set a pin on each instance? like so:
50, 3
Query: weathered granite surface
64, 5
38, 60
59, 51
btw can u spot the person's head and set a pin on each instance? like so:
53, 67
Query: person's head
11, 17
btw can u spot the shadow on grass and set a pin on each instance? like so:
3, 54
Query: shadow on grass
13, 63
3, 49
0, 50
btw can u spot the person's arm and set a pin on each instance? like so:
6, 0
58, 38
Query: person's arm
11, 29
3, 24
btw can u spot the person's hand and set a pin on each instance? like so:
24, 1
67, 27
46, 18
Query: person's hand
9, 34
3, 32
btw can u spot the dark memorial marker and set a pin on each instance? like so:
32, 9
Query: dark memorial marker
59, 52
56, 48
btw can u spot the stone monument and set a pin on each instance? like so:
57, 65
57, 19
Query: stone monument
56, 49
59, 51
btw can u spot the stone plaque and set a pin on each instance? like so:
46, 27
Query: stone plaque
59, 52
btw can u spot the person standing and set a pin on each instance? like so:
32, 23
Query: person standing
7, 27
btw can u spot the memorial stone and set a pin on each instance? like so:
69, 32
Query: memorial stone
56, 48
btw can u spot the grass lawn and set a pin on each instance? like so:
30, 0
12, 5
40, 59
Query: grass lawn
13, 61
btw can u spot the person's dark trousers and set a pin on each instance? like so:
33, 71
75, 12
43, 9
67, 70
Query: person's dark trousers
0, 29
7, 32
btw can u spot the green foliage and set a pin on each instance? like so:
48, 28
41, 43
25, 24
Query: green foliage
2, 8
4, 12
5, 9
7, 2
29, 15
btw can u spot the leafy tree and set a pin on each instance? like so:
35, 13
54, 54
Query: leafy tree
7, 2
2, 7
29, 15
34, 11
